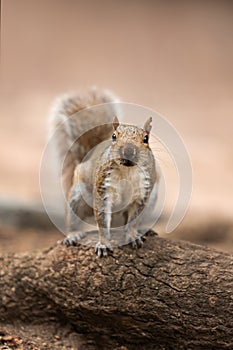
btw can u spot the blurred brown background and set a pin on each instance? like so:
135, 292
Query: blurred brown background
172, 56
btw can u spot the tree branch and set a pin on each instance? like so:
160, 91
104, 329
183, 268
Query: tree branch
167, 294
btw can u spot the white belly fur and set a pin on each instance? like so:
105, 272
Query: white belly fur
126, 186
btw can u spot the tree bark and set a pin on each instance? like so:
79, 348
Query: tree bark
166, 295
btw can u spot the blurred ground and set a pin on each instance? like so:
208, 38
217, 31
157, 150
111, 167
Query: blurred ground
38, 337
174, 56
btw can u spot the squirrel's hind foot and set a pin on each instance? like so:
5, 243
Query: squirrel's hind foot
134, 238
151, 233
102, 250
73, 239
140, 238
137, 242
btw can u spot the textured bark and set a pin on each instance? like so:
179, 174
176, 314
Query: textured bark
166, 295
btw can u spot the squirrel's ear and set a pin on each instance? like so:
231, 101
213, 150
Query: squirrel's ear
115, 122
147, 126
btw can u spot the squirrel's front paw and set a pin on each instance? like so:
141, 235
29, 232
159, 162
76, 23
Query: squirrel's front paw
102, 249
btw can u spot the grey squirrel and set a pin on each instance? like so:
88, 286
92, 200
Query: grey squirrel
101, 156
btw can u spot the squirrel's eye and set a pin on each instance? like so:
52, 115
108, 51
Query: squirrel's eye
114, 137
146, 139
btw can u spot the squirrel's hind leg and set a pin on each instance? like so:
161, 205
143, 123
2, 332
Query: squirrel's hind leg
77, 212
74, 238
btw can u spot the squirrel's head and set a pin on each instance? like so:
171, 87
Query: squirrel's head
129, 142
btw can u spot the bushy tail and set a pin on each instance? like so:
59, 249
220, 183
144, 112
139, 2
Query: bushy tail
74, 116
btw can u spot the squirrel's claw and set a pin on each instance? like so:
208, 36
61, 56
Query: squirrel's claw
102, 249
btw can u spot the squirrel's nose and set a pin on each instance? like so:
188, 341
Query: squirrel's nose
129, 151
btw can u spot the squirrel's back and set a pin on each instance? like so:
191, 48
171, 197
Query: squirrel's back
79, 122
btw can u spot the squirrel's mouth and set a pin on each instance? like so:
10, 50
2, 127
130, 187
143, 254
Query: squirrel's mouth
127, 162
